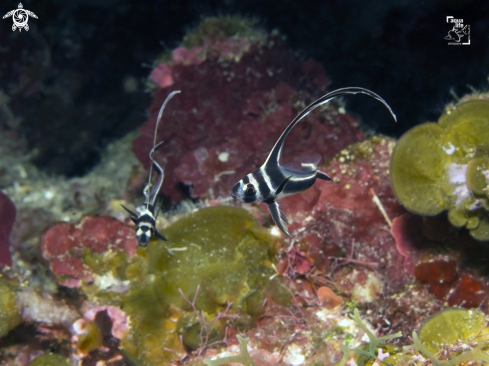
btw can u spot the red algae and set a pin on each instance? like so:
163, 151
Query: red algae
344, 226
63, 245
436, 255
328, 298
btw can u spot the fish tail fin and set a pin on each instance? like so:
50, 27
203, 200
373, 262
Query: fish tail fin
323, 176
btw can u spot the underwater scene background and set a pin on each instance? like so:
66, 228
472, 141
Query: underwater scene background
387, 264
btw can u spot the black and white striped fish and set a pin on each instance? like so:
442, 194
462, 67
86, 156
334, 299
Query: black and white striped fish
145, 219
274, 181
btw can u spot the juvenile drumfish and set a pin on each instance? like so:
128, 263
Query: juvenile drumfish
273, 181
146, 219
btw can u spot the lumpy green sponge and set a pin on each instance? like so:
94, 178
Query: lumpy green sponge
445, 166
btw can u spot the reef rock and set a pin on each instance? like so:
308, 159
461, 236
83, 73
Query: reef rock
237, 97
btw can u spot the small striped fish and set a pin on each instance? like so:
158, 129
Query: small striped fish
274, 181
146, 220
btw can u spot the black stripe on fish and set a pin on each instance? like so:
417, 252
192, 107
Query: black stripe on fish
263, 188
297, 184
265, 183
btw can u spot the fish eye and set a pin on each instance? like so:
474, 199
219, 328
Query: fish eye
250, 190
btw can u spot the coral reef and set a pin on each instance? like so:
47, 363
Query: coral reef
445, 166
227, 286
238, 93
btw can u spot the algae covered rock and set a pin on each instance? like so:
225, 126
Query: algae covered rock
445, 166
9, 313
220, 249
215, 268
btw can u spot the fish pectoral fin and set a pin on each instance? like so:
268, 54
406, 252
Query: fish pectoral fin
160, 235
323, 175
281, 186
279, 218
311, 194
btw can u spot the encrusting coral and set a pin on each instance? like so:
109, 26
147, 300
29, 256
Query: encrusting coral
445, 166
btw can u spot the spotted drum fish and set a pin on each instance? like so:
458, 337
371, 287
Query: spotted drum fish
146, 219
273, 181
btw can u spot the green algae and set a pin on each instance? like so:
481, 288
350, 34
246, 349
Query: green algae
452, 325
51, 360
91, 339
448, 338
219, 28
243, 358
217, 260
9, 313
445, 166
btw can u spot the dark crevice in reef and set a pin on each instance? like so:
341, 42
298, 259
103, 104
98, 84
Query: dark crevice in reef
76, 80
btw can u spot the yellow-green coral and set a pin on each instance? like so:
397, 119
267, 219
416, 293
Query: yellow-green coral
445, 166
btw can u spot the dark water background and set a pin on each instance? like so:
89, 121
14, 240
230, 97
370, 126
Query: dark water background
74, 80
